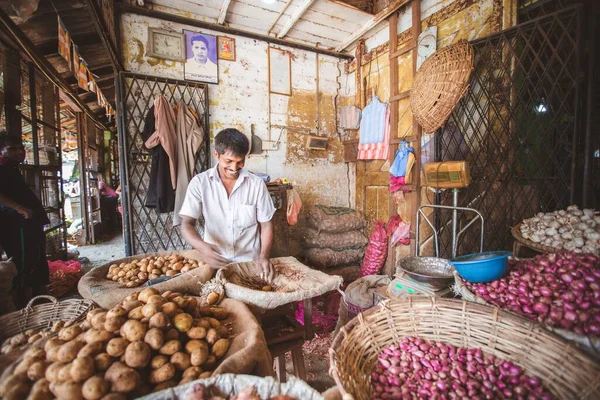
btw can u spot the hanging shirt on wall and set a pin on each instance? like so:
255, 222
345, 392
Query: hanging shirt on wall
373, 122
350, 117
376, 151
189, 139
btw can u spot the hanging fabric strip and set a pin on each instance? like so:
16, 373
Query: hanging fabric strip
64, 42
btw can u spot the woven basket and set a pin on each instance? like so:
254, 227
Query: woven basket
42, 316
516, 232
440, 83
566, 371
589, 344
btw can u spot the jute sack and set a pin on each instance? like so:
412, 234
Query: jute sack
329, 258
589, 344
335, 219
313, 238
293, 282
230, 385
107, 294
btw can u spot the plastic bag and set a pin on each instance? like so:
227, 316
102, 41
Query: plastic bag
398, 230
376, 252
293, 207
400, 160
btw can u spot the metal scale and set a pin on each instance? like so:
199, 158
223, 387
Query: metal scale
452, 175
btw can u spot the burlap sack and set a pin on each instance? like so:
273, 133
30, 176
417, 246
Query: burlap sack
295, 280
335, 219
329, 258
590, 344
107, 294
230, 384
8, 271
338, 241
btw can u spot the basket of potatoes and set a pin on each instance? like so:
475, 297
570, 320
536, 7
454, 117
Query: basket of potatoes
149, 342
181, 271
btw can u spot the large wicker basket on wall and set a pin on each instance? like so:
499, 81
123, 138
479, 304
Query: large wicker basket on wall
564, 369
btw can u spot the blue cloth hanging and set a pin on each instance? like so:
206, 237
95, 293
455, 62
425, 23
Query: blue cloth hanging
400, 159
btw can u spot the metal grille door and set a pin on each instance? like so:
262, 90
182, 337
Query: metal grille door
146, 230
517, 127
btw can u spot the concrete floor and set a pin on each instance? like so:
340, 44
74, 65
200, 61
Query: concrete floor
103, 252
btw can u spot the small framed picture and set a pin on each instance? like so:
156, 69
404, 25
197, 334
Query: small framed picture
226, 46
280, 72
201, 57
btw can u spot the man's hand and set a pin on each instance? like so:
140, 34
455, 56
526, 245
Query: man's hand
211, 256
24, 211
268, 272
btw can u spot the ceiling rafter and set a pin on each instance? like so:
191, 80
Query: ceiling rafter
223, 12
294, 18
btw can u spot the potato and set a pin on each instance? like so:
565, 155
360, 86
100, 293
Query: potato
219, 313
54, 342
91, 349
155, 338
199, 356
40, 391
169, 308
206, 374
95, 388
34, 338
69, 333
24, 365
18, 391
196, 333
64, 373
82, 368
98, 320
137, 355
136, 313
171, 347
150, 309
57, 326
129, 305
51, 373
116, 347
159, 320
193, 345
37, 370
220, 348
203, 323
214, 323
122, 378
92, 313
211, 362
192, 372
156, 299
133, 330
223, 332
114, 396
98, 335
162, 374
212, 298
103, 361
171, 273
191, 378
166, 293
180, 301
11, 381
67, 390
182, 322
35, 353
164, 385
205, 311
113, 324
146, 293
158, 361
181, 361
172, 334
7, 348
212, 336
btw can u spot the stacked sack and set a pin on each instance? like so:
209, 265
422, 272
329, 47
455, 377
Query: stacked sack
334, 237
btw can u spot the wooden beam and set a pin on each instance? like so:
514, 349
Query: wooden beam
126, 8
398, 96
223, 13
416, 128
287, 4
95, 14
294, 18
372, 23
402, 50
43, 64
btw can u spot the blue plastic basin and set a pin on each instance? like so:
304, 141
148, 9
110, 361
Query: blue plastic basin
482, 267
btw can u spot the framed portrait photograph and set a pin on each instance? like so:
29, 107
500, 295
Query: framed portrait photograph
226, 47
200, 57
280, 72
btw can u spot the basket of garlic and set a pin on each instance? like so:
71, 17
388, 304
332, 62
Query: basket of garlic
571, 229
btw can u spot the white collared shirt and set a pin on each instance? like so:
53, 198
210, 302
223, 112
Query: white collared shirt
232, 224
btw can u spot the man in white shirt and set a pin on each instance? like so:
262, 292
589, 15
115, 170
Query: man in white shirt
236, 207
200, 66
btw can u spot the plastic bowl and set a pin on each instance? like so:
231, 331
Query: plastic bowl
482, 267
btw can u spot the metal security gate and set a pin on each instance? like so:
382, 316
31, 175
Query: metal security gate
145, 230
517, 126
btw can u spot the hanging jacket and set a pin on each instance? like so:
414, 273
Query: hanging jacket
189, 139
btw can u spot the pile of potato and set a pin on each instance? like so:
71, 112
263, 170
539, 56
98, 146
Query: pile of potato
201, 392
135, 273
147, 343
30, 336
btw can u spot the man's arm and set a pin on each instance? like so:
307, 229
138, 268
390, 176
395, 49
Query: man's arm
208, 251
266, 242
5, 201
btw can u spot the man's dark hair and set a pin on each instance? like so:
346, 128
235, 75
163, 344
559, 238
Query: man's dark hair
233, 140
199, 38
6, 140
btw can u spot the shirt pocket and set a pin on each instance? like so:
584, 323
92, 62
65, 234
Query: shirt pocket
246, 216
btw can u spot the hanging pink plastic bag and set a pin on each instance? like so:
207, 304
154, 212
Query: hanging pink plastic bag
376, 252
293, 207
398, 230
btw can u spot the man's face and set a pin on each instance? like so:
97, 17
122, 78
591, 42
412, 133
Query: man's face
14, 152
230, 165
200, 51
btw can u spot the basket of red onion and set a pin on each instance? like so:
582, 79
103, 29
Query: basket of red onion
560, 290
434, 348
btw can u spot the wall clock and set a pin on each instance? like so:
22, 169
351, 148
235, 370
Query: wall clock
426, 44
166, 44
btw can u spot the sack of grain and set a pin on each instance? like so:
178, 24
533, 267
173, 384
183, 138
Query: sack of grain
313, 238
106, 293
335, 219
329, 258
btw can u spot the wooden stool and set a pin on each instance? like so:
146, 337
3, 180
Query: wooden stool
279, 350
